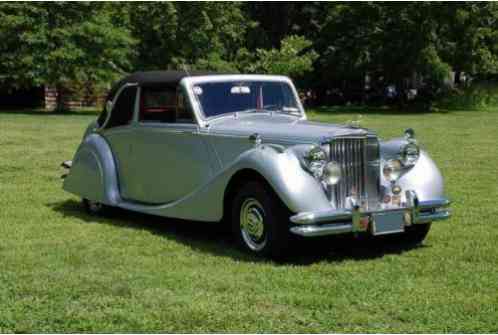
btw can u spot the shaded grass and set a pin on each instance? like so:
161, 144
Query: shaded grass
61, 270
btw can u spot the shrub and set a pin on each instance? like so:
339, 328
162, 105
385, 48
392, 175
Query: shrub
478, 96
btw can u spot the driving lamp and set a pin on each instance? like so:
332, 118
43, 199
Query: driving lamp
331, 173
410, 154
315, 161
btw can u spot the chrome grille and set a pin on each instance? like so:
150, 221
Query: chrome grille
358, 158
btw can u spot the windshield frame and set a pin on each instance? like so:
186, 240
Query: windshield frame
190, 82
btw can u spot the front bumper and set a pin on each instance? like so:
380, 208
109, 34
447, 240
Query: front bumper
332, 222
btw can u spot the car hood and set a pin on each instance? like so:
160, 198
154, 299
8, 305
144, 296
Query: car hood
282, 127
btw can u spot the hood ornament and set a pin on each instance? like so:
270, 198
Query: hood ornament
255, 139
356, 122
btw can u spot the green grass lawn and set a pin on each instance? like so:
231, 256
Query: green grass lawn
62, 270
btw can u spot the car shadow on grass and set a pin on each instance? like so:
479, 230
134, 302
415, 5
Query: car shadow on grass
215, 239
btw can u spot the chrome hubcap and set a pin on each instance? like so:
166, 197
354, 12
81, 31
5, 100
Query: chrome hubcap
252, 224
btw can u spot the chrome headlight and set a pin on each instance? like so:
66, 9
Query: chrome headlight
315, 160
392, 169
410, 154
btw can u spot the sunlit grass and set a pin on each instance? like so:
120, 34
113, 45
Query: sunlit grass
61, 270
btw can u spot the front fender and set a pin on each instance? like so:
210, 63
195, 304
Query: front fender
283, 171
93, 173
424, 178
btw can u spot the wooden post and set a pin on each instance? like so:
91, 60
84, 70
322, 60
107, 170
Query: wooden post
50, 98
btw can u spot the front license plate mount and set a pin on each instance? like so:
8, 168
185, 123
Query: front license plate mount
387, 223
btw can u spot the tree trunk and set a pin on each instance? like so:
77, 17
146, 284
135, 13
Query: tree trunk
60, 106
458, 77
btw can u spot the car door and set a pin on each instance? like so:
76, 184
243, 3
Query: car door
170, 158
118, 131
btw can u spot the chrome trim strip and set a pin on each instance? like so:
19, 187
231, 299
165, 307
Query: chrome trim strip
320, 217
329, 229
438, 216
435, 203
188, 82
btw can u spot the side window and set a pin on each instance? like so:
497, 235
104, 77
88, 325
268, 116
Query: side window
157, 104
122, 112
164, 104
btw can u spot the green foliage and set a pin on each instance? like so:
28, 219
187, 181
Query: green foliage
200, 35
469, 36
478, 96
396, 43
328, 46
154, 26
292, 59
435, 71
214, 62
60, 43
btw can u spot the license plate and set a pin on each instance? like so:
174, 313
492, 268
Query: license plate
388, 223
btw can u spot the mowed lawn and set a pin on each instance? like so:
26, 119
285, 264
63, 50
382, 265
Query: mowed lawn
62, 270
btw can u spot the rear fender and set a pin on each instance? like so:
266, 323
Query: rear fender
93, 173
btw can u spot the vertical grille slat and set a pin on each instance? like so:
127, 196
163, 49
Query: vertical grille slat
358, 159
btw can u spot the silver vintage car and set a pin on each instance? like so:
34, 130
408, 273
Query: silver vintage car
238, 149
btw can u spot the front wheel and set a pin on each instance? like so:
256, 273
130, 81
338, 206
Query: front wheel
260, 221
415, 234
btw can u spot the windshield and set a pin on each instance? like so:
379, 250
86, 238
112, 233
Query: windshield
217, 98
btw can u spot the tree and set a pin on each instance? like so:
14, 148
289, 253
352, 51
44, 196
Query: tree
196, 35
293, 58
58, 44
471, 44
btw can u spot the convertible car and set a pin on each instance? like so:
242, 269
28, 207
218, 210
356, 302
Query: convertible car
238, 149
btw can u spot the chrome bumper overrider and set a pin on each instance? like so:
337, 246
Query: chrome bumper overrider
357, 220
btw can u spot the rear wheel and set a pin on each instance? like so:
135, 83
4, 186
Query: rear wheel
260, 222
94, 207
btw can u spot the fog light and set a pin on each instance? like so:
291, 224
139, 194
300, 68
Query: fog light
396, 189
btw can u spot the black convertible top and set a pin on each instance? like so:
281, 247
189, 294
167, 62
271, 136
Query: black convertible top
155, 78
